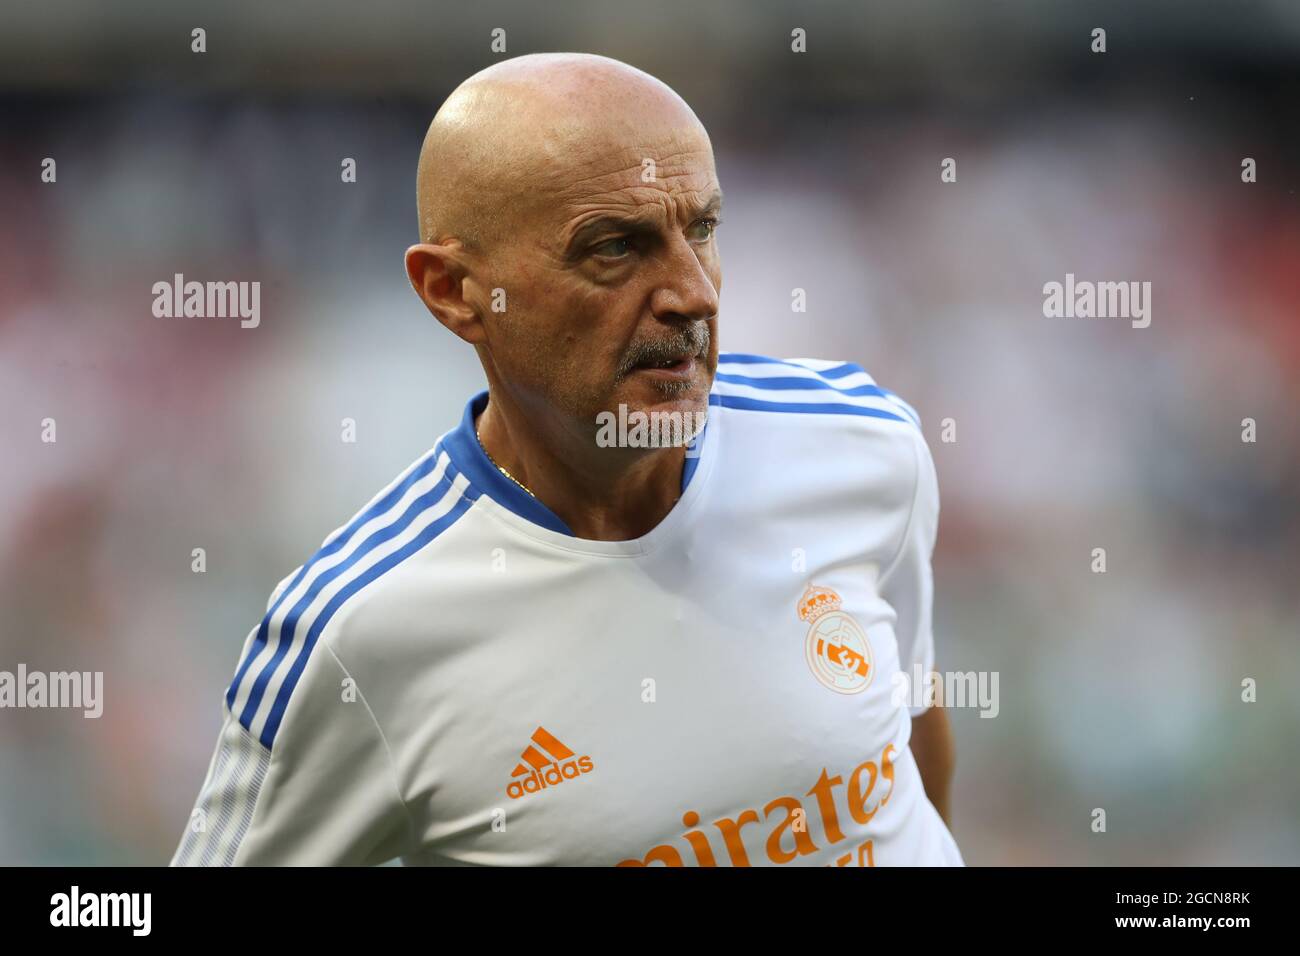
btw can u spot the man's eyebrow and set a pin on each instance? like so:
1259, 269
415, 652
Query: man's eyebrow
712, 205
594, 227
631, 223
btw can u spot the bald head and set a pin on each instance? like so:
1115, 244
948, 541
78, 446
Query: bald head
516, 133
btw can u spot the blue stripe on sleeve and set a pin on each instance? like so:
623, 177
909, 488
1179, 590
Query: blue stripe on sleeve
425, 467
803, 408
382, 567
793, 383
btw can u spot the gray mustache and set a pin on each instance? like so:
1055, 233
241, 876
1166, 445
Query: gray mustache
691, 340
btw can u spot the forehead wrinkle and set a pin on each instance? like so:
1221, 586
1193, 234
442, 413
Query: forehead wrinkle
658, 192
642, 202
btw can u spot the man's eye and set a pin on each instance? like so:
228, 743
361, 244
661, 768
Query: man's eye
613, 248
704, 229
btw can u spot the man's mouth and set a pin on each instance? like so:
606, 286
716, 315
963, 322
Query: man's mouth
677, 366
674, 361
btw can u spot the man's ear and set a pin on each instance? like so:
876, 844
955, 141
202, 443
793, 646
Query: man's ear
437, 273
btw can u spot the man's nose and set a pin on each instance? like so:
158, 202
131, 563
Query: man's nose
684, 288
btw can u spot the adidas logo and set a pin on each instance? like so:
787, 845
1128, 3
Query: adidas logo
544, 763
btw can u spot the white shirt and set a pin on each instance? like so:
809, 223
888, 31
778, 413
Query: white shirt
454, 678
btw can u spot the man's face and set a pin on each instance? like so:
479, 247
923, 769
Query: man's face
612, 278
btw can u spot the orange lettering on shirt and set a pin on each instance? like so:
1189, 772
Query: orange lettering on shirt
802, 842
731, 835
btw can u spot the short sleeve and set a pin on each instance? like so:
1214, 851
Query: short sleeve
908, 584
323, 794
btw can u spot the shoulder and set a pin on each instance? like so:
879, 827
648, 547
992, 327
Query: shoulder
416, 508
824, 425
806, 387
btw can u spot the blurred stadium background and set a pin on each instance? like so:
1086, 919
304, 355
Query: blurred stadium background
1118, 690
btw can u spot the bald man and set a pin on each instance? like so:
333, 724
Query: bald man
648, 603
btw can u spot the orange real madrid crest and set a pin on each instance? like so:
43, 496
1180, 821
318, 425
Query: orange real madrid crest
836, 647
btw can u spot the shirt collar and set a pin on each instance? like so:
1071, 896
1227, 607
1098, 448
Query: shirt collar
463, 446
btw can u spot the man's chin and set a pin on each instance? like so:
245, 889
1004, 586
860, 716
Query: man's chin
674, 409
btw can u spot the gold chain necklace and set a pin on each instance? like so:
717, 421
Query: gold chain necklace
499, 468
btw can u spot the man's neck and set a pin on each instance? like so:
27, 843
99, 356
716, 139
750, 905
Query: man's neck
602, 494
